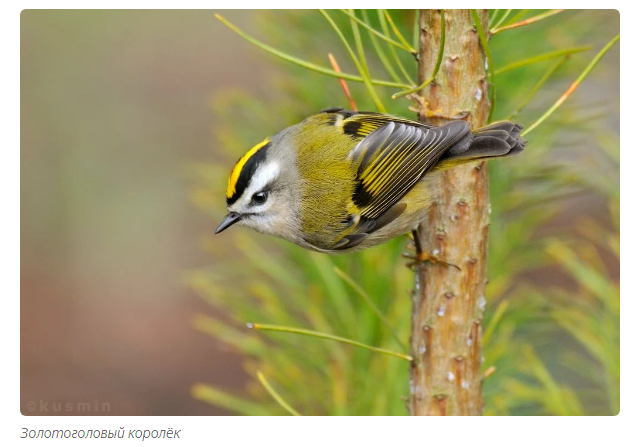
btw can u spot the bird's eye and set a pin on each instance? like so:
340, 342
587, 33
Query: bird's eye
259, 198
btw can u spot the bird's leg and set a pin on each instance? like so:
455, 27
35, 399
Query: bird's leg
422, 256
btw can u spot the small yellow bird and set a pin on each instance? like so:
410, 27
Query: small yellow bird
342, 180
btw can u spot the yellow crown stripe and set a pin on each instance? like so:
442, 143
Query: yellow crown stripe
237, 169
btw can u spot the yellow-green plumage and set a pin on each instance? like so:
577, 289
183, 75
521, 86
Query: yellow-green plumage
327, 197
355, 179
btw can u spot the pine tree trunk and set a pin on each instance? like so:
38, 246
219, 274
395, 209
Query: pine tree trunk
446, 338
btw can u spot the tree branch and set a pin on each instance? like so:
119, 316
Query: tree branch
446, 337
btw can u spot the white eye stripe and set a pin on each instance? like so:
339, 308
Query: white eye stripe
262, 177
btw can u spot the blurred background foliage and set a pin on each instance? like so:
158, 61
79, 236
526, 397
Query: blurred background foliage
113, 103
551, 326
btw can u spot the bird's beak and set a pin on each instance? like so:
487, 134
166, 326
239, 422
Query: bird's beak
229, 220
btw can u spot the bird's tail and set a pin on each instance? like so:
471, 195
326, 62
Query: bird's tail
499, 139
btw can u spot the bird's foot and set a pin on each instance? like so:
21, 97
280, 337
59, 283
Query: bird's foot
423, 258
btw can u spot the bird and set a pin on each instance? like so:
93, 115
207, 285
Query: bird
342, 180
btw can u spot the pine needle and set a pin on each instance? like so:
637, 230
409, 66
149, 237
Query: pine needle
542, 57
343, 83
487, 53
435, 69
381, 53
385, 30
275, 395
270, 327
538, 86
360, 64
372, 30
397, 32
367, 299
573, 86
305, 64
501, 20
525, 22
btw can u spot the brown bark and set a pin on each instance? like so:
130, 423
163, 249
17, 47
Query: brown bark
446, 338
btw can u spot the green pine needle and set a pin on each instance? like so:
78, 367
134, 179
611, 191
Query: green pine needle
542, 57
573, 86
487, 53
435, 69
367, 299
397, 32
305, 64
271, 327
275, 395
545, 77
372, 30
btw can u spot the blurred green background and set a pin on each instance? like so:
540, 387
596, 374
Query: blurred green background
128, 116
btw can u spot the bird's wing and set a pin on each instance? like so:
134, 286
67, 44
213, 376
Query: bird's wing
392, 157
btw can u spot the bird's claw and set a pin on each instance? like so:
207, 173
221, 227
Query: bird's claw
422, 258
